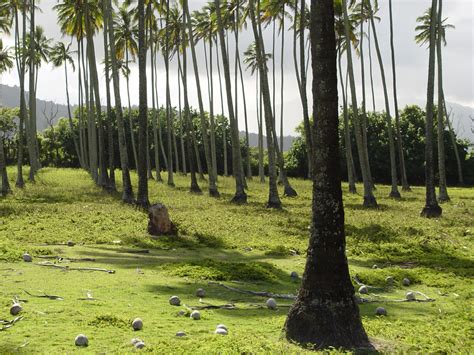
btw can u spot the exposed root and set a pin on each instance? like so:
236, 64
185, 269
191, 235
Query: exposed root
68, 268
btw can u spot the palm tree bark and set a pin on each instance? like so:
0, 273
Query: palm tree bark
240, 195
129, 113
443, 189
30, 133
401, 155
431, 209
155, 114
391, 142
127, 195
4, 183
370, 70
261, 168
181, 123
369, 198
273, 197
325, 313
224, 136
169, 123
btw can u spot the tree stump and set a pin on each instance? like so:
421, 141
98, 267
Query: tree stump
159, 221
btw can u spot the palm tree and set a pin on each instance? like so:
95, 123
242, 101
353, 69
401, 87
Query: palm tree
240, 195
250, 59
273, 197
431, 209
394, 193
213, 191
369, 198
422, 38
325, 312
127, 195
30, 124
401, 154
60, 56
125, 26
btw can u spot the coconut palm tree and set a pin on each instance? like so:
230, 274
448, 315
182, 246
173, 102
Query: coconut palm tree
250, 59
369, 198
325, 313
431, 209
125, 26
423, 28
401, 154
127, 195
213, 191
61, 56
240, 195
273, 197
394, 193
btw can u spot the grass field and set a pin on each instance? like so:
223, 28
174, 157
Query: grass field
248, 247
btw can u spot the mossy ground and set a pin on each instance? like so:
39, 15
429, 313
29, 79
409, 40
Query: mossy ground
214, 235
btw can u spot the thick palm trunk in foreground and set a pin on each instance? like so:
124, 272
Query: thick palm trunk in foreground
325, 313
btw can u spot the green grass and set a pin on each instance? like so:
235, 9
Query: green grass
248, 246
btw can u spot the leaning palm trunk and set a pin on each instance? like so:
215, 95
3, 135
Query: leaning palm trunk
455, 146
21, 66
240, 195
247, 142
347, 133
273, 197
213, 191
371, 72
391, 142
369, 198
443, 189
127, 195
401, 155
30, 133
431, 209
224, 135
187, 121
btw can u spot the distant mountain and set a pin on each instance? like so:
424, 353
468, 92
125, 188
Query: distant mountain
10, 97
253, 140
463, 120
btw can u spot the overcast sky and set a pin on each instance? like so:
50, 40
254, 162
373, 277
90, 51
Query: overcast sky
411, 60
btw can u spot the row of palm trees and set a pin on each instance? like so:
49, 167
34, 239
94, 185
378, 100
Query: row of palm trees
167, 29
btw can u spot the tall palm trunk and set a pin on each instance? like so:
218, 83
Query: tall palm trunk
431, 209
301, 81
391, 142
244, 98
282, 77
347, 133
130, 115
31, 134
325, 312
20, 183
156, 144
273, 197
443, 189
261, 168
194, 187
224, 135
181, 123
369, 198
103, 176
142, 194
401, 155
169, 123
127, 195
4, 183
213, 191
240, 195
110, 133
211, 111
370, 69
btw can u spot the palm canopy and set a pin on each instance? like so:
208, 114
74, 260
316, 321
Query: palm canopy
42, 46
126, 29
250, 57
6, 59
423, 29
275, 10
177, 34
61, 54
71, 16
354, 19
5, 19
